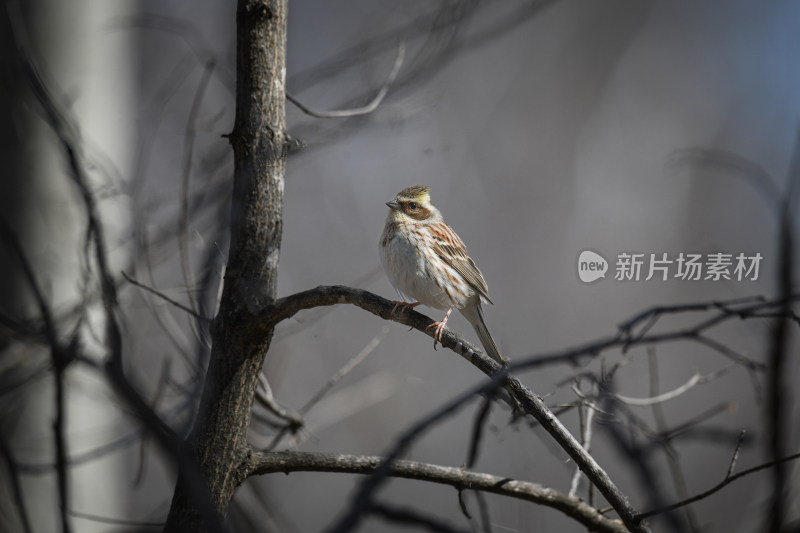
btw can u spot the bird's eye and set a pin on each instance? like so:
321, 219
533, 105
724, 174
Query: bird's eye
412, 205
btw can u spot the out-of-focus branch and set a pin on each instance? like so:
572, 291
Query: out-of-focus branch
296, 421
778, 398
164, 297
290, 461
68, 137
586, 413
188, 150
671, 453
409, 517
16, 485
346, 369
61, 357
716, 488
674, 393
358, 111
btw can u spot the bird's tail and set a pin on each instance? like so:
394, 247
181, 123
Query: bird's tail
474, 314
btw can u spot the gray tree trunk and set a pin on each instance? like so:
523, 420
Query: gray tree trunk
39, 205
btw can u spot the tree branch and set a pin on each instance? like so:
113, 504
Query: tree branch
291, 461
719, 486
358, 111
288, 306
164, 297
531, 404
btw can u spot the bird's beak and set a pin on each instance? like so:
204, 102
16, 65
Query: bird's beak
393, 204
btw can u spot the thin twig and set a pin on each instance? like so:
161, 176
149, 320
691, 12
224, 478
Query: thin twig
586, 413
171, 332
358, 111
674, 393
114, 521
477, 431
717, 487
483, 510
735, 454
676, 472
409, 517
267, 400
163, 297
296, 421
161, 386
16, 486
722, 407
188, 148
462, 504
346, 369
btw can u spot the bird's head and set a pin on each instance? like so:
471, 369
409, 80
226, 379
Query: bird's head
413, 204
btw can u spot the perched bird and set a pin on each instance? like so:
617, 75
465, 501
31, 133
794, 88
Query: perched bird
427, 262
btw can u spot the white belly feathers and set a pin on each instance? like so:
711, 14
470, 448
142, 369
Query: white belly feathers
408, 272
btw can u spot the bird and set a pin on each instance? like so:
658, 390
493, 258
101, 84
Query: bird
427, 263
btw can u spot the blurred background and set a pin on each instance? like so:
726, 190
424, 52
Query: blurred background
543, 128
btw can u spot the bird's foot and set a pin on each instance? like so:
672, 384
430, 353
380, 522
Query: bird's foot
402, 306
437, 334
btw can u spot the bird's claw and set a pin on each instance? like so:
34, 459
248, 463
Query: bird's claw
437, 334
403, 306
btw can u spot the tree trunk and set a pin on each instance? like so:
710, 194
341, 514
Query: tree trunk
219, 439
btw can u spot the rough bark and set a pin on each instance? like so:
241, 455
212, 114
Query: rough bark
460, 478
218, 440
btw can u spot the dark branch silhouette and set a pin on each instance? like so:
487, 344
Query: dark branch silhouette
286, 462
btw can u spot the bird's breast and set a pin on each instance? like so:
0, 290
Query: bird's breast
410, 272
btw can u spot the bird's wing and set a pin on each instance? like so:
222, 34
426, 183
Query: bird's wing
449, 247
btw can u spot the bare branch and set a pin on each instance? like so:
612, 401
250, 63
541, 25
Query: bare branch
290, 461
358, 111
586, 412
69, 139
114, 521
288, 306
267, 400
296, 421
188, 148
719, 486
346, 369
735, 454
674, 393
477, 431
16, 486
165, 320
408, 516
61, 357
532, 404
673, 460
722, 407
778, 397
164, 297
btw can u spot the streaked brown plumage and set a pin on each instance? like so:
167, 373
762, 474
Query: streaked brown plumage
426, 261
